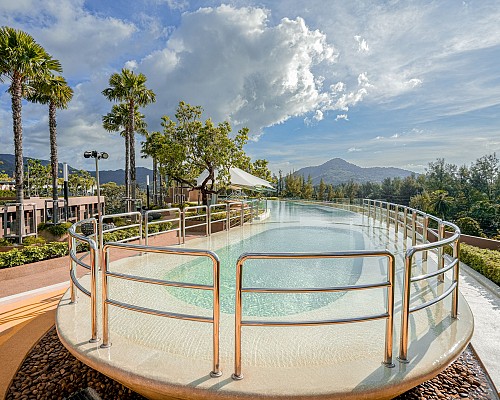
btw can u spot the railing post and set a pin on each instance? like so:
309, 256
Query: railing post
413, 228
228, 216
242, 214
183, 226
388, 215
105, 305
405, 311
71, 246
396, 220
405, 224
425, 236
440, 251
216, 372
209, 214
237, 323
456, 276
207, 221
389, 325
94, 267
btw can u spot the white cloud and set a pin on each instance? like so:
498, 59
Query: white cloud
353, 149
341, 116
362, 44
235, 65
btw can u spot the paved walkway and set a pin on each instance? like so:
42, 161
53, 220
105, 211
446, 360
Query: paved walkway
29, 295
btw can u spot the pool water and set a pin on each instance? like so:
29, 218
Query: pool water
316, 236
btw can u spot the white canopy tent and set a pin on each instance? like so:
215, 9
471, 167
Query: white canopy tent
242, 180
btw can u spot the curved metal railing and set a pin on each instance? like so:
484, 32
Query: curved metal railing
388, 315
74, 260
418, 222
176, 219
215, 287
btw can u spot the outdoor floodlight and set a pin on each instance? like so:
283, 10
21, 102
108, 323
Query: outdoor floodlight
96, 154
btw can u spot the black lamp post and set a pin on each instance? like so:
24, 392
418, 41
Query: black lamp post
97, 156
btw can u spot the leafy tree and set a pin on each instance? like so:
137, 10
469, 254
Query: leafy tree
129, 88
22, 61
118, 120
55, 92
321, 190
421, 202
330, 194
114, 194
260, 169
484, 174
80, 182
441, 203
469, 226
190, 147
39, 178
307, 188
293, 185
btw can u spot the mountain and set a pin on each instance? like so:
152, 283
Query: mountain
338, 171
118, 176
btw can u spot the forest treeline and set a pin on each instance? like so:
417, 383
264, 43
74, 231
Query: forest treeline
466, 195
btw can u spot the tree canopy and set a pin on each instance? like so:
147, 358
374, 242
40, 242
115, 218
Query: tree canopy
189, 146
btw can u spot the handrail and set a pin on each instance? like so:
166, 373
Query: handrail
388, 315
119, 228
106, 301
73, 236
442, 241
186, 218
177, 219
224, 212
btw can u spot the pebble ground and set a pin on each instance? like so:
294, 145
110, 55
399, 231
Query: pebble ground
51, 372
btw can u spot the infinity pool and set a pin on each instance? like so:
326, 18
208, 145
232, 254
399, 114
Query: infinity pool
279, 273
170, 358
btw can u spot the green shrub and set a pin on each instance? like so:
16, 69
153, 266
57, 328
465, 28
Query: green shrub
55, 229
11, 258
469, 226
484, 261
31, 240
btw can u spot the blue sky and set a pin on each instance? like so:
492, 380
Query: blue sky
387, 83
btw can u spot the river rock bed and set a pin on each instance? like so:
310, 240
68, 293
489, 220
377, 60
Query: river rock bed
49, 371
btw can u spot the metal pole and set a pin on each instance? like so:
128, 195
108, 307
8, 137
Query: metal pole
147, 192
237, 323
99, 213
216, 372
456, 276
405, 312
441, 251
66, 191
105, 306
389, 326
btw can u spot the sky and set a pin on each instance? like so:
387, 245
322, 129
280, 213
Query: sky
386, 83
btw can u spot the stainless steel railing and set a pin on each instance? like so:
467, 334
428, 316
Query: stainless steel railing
74, 260
417, 223
240, 289
133, 220
201, 213
106, 300
168, 215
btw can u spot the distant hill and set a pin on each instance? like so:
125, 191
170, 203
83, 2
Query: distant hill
338, 171
105, 176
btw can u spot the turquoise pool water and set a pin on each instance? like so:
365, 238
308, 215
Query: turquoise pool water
292, 228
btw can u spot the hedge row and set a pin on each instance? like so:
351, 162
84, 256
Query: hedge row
484, 261
31, 254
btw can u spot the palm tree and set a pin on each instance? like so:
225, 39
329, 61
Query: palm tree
118, 121
55, 92
150, 148
22, 61
130, 89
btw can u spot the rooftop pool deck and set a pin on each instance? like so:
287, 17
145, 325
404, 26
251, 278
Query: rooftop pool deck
165, 358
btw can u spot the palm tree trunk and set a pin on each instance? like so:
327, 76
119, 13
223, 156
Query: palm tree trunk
127, 171
53, 160
18, 151
132, 151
